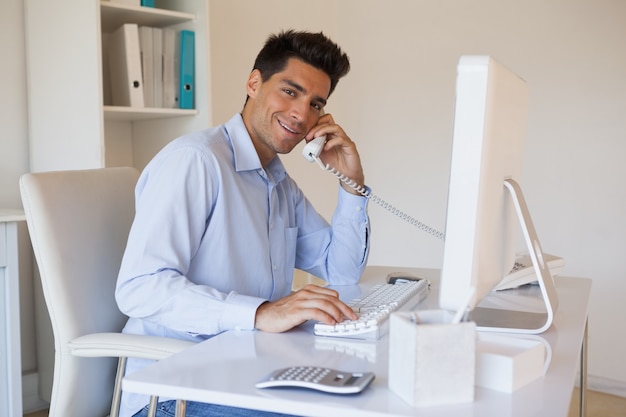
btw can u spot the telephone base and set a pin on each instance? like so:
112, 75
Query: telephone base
524, 271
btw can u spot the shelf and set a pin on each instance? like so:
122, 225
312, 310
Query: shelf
122, 113
103, 135
113, 15
11, 215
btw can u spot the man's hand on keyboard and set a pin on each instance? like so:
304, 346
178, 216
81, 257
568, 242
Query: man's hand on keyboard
374, 308
310, 303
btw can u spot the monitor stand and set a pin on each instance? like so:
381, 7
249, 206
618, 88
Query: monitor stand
514, 321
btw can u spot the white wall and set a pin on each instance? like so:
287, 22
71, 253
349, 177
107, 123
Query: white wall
13, 111
398, 101
14, 154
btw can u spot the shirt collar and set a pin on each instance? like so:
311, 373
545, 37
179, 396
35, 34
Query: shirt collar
246, 157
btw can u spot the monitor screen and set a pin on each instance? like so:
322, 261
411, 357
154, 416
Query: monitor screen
482, 226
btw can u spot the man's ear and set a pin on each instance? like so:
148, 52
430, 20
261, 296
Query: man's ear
254, 82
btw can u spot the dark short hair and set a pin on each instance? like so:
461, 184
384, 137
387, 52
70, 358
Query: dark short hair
314, 49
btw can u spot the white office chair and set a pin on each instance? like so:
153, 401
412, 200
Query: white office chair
78, 223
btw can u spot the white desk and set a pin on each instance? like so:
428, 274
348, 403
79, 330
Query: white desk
225, 368
10, 356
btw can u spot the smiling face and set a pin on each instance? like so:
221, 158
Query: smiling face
281, 110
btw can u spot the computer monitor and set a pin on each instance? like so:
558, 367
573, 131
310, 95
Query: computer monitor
485, 205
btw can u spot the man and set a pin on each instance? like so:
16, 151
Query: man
220, 225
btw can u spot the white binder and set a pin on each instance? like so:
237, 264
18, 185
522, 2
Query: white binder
170, 69
125, 67
147, 65
157, 63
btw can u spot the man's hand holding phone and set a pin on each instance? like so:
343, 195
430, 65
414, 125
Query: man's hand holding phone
339, 151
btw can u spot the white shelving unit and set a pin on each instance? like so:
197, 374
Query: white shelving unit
72, 124
10, 355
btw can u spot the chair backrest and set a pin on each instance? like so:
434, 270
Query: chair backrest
79, 223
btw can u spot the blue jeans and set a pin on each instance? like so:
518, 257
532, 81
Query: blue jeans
196, 409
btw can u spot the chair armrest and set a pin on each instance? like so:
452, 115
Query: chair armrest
126, 345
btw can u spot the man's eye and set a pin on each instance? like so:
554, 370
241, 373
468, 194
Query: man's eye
289, 92
316, 106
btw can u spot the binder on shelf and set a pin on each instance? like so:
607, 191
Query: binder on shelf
147, 3
157, 65
126, 2
147, 66
187, 64
170, 69
125, 67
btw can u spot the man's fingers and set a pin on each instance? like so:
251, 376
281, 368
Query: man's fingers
310, 303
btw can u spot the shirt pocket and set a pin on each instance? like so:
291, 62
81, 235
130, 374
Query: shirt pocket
289, 256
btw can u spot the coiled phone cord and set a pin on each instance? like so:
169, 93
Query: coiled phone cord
369, 195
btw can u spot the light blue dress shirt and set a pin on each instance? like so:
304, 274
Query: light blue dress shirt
215, 235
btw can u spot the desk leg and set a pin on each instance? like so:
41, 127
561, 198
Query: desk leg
181, 408
583, 374
152, 409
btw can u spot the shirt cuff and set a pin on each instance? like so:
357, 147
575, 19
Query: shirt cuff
352, 206
240, 312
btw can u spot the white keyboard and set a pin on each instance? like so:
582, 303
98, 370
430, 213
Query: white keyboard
374, 309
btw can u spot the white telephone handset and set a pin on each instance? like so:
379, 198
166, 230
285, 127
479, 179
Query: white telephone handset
313, 149
311, 153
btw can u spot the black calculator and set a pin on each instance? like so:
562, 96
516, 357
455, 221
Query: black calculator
318, 378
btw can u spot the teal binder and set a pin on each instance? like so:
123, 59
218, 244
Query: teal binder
187, 64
